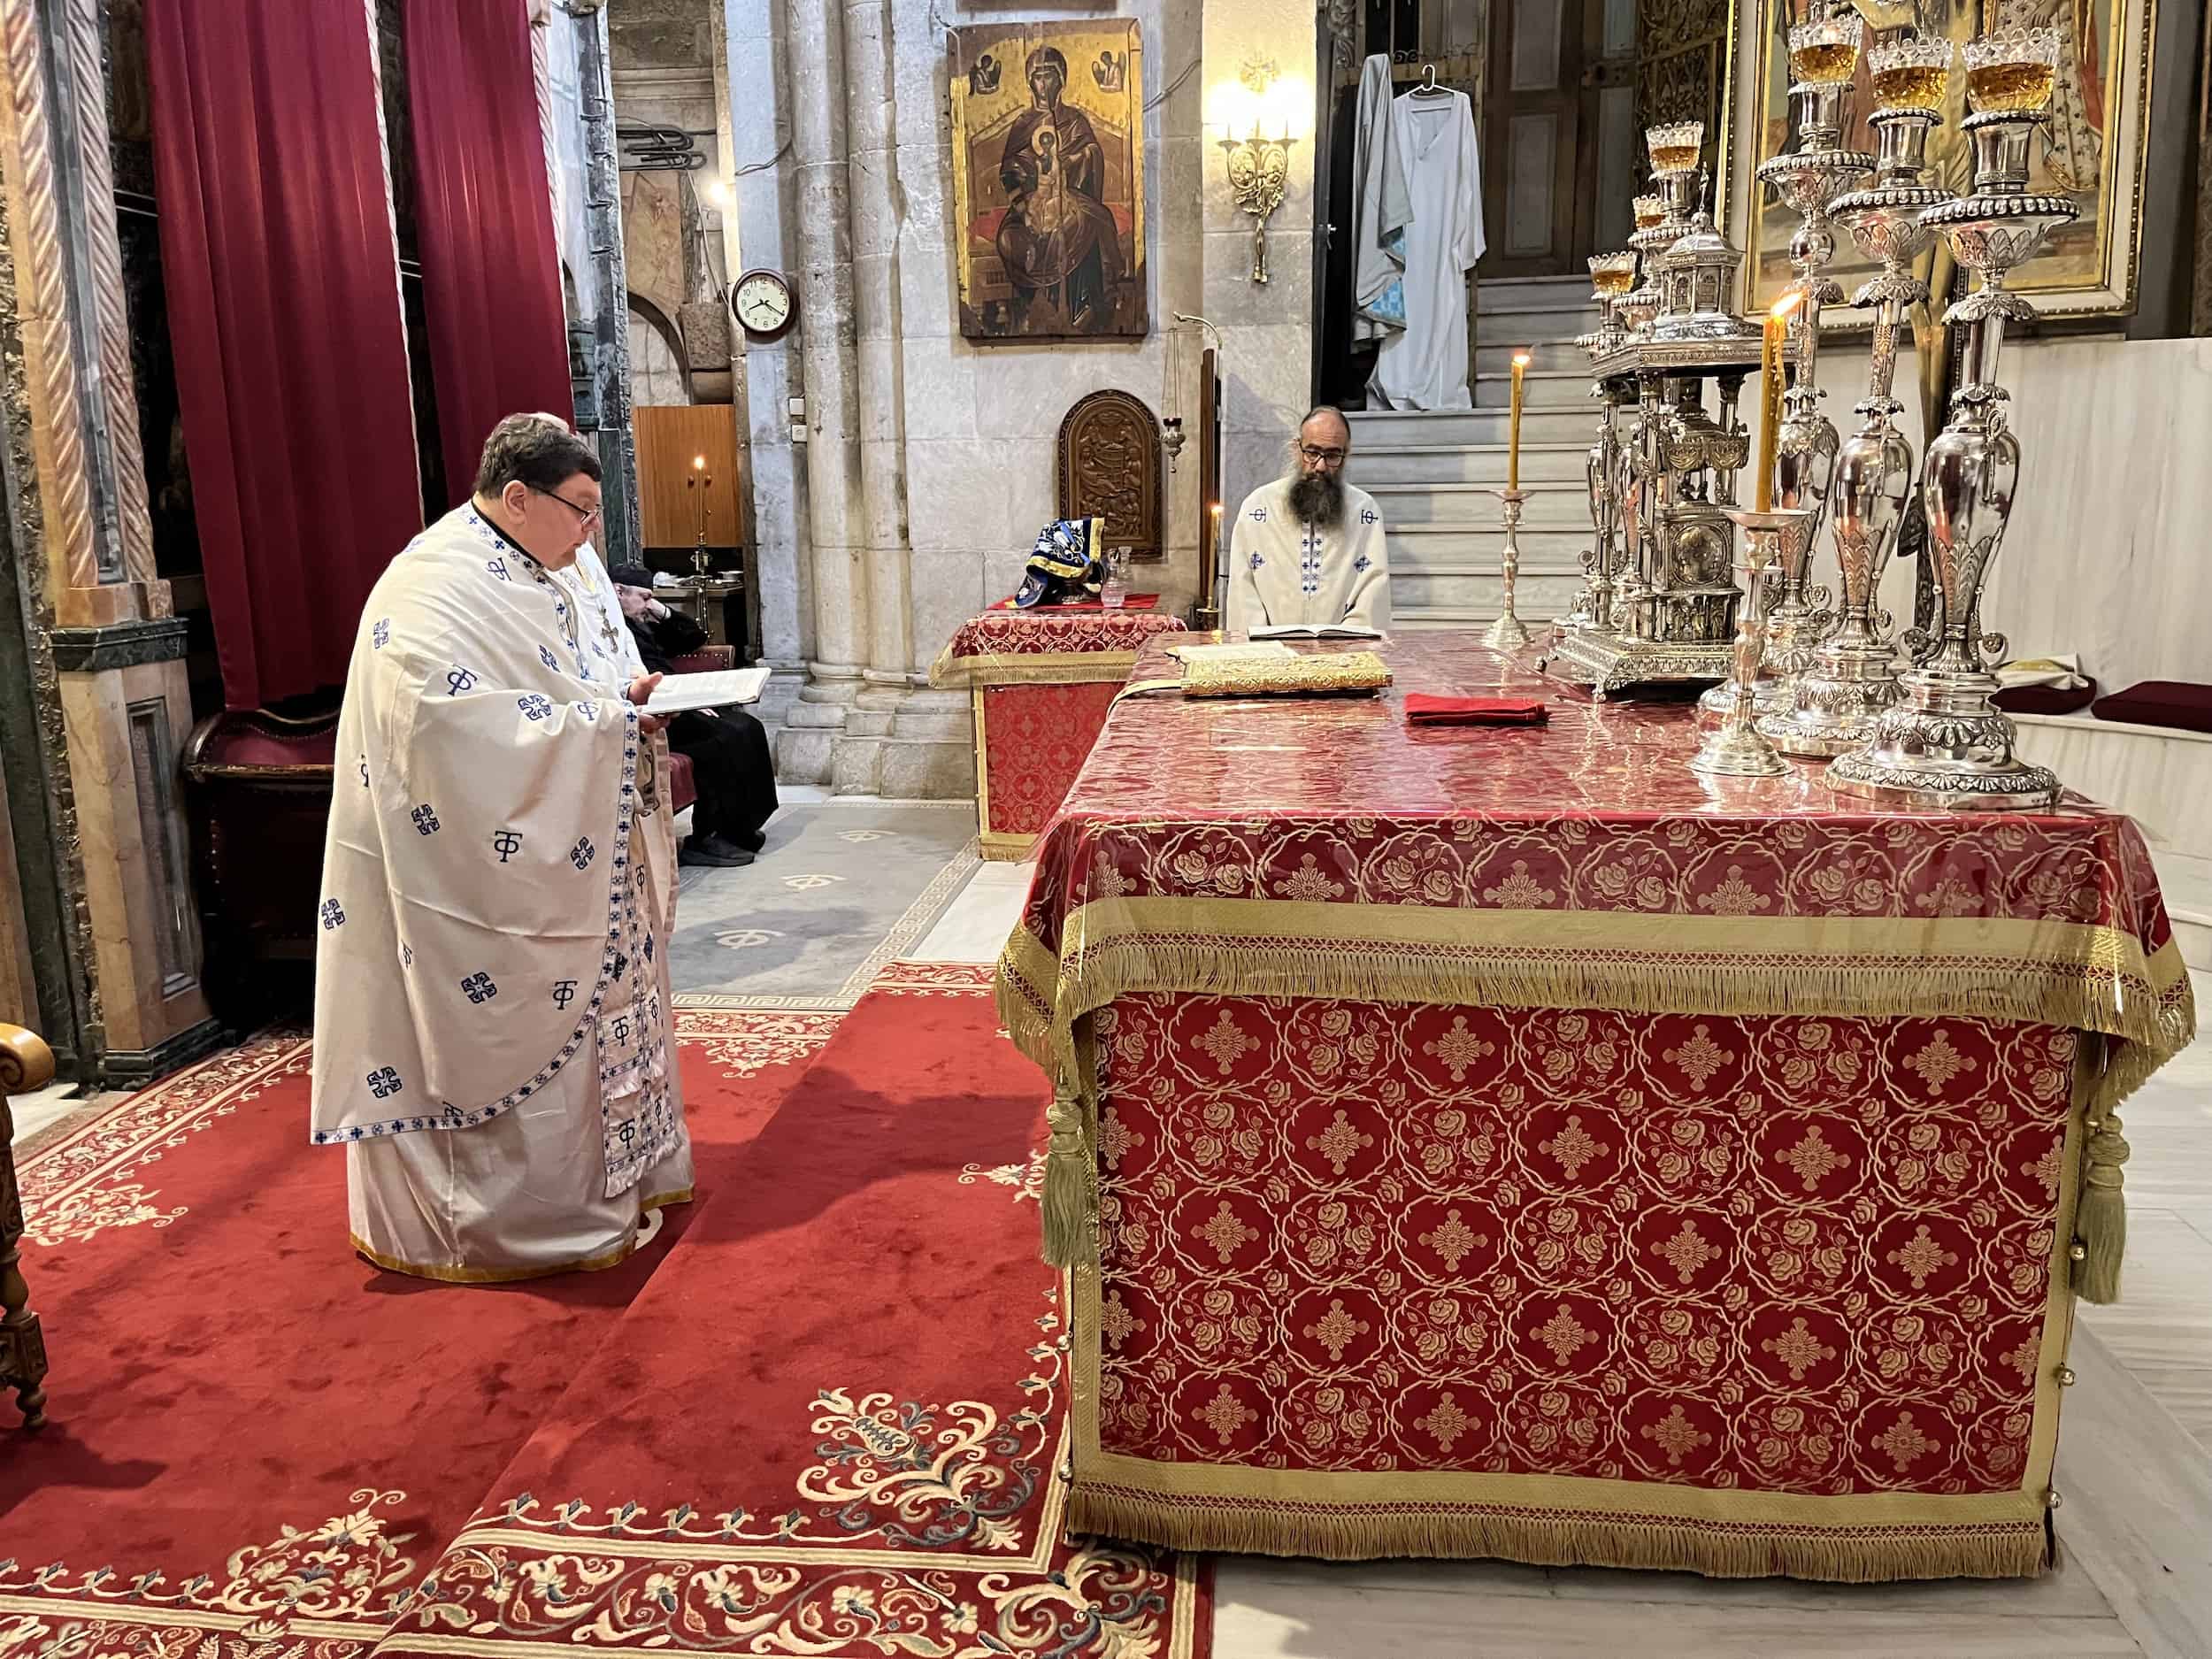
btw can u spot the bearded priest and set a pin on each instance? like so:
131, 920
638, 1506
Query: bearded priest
1306, 550
491, 985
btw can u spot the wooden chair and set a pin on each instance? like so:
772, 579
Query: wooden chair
25, 1063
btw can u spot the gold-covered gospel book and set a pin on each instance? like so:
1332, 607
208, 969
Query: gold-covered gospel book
1287, 676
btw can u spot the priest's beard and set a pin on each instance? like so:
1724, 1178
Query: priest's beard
1318, 498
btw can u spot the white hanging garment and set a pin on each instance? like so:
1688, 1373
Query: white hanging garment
1424, 366
1381, 209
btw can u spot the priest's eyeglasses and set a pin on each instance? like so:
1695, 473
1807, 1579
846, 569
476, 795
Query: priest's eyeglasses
1321, 456
586, 516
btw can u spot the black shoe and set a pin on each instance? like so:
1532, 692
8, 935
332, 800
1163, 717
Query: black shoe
713, 851
751, 841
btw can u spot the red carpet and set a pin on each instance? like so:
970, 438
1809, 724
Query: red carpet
833, 1421
255, 1433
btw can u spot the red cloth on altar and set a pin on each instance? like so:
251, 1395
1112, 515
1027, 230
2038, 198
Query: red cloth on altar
1422, 709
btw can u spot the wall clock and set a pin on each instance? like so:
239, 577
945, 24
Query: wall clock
761, 302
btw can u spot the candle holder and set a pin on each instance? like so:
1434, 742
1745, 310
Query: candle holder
1594, 604
1824, 54
1947, 744
1259, 168
1852, 678
1735, 748
1508, 633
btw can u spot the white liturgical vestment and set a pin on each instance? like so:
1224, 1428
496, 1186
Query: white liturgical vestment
1424, 366
1284, 573
492, 1002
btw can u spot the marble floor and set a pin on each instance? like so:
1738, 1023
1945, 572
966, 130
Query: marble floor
2134, 1575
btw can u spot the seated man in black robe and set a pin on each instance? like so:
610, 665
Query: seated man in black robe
727, 748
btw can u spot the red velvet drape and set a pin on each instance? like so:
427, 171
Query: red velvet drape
491, 269
284, 313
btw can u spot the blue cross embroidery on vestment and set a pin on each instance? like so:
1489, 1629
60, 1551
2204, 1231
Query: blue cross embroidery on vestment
459, 681
381, 636
536, 707
1257, 561
498, 567
479, 987
1362, 562
549, 659
564, 992
582, 853
621, 964
648, 942
334, 915
426, 820
506, 843
383, 1083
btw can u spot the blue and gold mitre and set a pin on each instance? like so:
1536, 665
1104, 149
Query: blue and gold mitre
1068, 562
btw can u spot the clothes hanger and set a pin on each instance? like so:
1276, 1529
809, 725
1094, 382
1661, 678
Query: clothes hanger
1428, 89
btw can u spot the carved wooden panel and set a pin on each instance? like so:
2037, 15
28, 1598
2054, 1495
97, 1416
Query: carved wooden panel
1110, 468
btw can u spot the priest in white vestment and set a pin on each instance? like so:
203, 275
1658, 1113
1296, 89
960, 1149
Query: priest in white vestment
1306, 550
492, 998
1424, 364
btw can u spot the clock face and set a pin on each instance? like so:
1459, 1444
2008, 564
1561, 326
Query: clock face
761, 301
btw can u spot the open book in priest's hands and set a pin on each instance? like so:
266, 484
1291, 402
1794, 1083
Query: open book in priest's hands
678, 693
1316, 631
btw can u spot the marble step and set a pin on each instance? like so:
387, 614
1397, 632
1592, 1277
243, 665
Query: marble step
1541, 463
1548, 356
1374, 430
1527, 294
1469, 601
1540, 389
1550, 506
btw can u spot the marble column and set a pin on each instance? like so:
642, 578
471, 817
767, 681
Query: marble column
764, 238
92, 668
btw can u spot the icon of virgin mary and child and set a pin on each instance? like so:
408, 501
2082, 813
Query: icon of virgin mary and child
1058, 239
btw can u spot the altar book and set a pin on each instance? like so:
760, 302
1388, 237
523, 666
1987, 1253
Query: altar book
680, 693
1316, 631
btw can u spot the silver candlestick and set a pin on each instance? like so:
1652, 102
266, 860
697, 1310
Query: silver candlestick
1853, 678
1806, 180
1734, 747
1947, 744
1508, 633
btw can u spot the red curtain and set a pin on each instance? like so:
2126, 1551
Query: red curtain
491, 269
284, 312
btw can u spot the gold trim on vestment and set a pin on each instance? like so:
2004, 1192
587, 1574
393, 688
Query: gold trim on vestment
2077, 975
513, 1275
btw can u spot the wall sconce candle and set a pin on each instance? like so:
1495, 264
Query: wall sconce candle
1258, 170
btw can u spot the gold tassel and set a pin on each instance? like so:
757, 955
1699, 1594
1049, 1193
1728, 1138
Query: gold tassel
2100, 1220
1286, 1526
1071, 1241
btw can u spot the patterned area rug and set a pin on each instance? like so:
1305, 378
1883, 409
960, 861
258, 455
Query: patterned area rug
258, 1442
836, 1422
832, 1425
842, 888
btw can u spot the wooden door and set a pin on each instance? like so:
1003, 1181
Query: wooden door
1539, 163
671, 439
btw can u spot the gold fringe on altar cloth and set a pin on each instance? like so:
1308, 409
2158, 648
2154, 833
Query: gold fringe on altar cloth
2073, 975
1843, 1555
2101, 1216
1036, 668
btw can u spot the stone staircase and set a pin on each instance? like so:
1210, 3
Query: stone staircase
1432, 473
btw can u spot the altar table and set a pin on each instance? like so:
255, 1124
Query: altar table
1041, 681
1487, 1142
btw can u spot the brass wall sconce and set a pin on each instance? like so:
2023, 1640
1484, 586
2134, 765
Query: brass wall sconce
1258, 170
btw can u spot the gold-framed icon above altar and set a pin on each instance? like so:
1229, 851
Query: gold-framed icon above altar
1048, 180
2092, 149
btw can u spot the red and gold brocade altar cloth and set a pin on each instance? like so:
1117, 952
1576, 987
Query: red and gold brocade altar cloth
1502, 1141
1041, 681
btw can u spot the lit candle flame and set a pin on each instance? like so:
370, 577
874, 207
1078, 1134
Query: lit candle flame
698, 463
1770, 386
